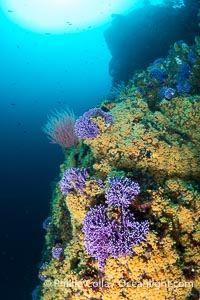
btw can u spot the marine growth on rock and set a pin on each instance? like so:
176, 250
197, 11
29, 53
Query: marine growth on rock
127, 208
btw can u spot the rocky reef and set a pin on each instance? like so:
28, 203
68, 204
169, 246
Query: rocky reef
136, 39
125, 215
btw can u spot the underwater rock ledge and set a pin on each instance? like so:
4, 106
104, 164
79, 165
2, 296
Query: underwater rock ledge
142, 160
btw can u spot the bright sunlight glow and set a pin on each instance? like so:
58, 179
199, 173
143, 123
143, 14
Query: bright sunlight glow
60, 16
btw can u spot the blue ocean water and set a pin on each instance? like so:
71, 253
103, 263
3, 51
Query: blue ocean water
39, 73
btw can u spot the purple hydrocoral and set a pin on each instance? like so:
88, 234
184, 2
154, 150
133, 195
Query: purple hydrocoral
97, 230
140, 90
192, 57
167, 93
73, 179
184, 87
85, 127
126, 233
60, 128
158, 74
57, 251
42, 268
35, 293
121, 191
46, 222
100, 183
106, 236
184, 71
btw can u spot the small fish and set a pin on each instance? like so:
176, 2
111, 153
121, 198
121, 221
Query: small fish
10, 11
13, 104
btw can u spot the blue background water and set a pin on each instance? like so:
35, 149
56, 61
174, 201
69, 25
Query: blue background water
38, 73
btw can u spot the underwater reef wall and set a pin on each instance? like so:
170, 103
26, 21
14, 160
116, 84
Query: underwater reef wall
146, 33
125, 215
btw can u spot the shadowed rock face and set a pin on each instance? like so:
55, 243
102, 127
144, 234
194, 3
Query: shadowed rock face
145, 34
